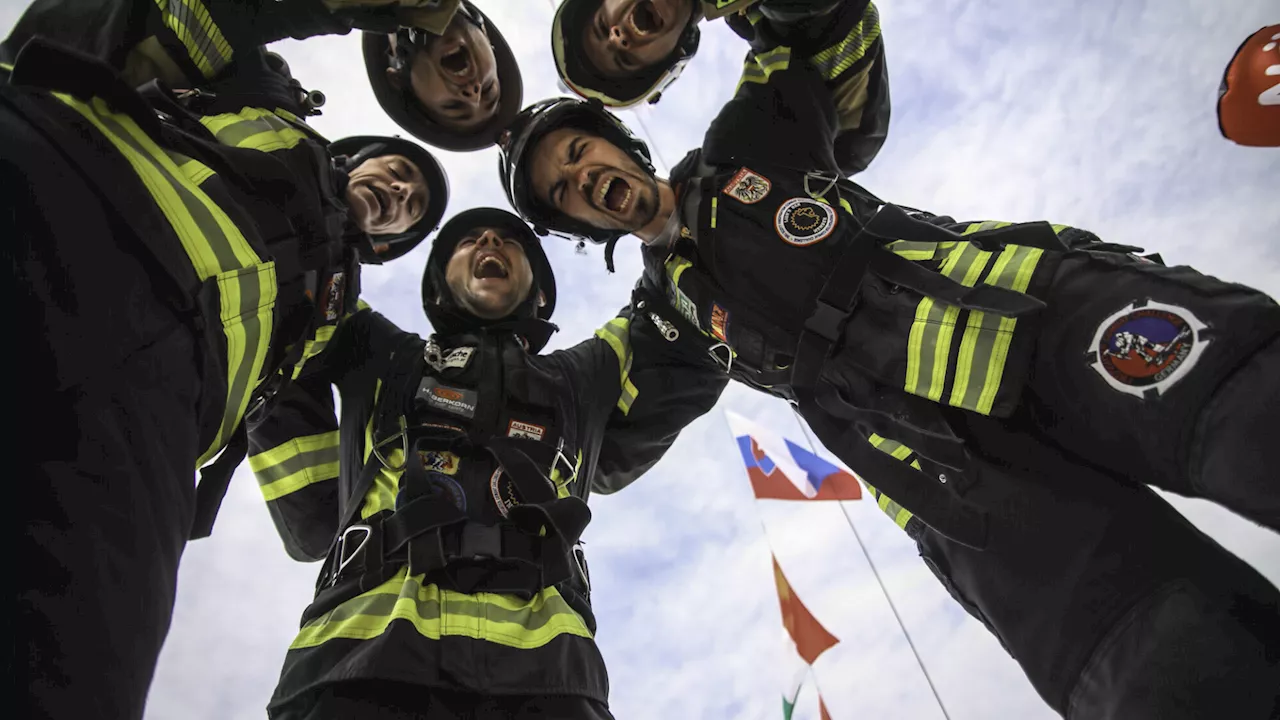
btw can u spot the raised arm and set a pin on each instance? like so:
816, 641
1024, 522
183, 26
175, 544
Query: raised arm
814, 82
664, 387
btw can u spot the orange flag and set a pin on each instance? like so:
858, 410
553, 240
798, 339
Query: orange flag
806, 632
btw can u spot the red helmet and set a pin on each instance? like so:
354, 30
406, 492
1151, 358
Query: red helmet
1249, 99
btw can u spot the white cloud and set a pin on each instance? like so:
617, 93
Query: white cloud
1091, 113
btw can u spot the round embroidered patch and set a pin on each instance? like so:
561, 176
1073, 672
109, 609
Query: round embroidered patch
1142, 350
449, 487
802, 221
503, 491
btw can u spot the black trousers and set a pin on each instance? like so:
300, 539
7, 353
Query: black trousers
388, 700
1114, 605
106, 436
1164, 376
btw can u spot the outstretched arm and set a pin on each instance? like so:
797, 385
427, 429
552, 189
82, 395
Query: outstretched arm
665, 386
815, 80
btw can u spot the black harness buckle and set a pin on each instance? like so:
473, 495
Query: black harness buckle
827, 321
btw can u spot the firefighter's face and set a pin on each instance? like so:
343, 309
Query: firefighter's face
387, 195
624, 37
489, 273
455, 77
589, 179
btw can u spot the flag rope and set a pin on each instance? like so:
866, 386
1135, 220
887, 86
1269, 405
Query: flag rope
804, 428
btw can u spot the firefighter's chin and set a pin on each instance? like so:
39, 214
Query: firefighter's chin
489, 298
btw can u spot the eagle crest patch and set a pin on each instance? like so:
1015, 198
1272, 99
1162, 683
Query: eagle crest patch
748, 187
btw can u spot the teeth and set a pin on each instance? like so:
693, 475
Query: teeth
604, 190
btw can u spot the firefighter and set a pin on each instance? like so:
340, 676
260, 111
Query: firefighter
172, 271
952, 363
442, 70
1249, 98
625, 52
455, 486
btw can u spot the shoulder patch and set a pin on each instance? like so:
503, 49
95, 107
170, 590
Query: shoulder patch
803, 221
748, 187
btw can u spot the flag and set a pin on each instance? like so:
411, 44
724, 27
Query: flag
782, 470
809, 639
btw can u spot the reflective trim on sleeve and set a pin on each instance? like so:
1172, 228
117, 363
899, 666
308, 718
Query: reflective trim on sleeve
435, 613
758, 68
834, 60
314, 346
296, 464
216, 248
253, 129
617, 333
190, 22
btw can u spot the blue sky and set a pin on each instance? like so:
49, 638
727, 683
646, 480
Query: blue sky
1094, 113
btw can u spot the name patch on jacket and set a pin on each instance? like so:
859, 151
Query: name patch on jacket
719, 322
441, 397
528, 431
333, 292
455, 358
803, 221
748, 187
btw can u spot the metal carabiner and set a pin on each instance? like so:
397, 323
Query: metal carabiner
403, 437
573, 470
343, 558
726, 364
831, 182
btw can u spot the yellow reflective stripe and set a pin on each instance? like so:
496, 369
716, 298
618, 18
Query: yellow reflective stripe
913, 250
617, 333
1004, 340
988, 338
932, 329
754, 16
190, 22
246, 298
834, 60
436, 613
758, 68
216, 248
198, 222
382, 492
195, 170
296, 464
314, 346
714, 208
898, 451
253, 129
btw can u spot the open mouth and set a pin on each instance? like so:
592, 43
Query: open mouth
457, 62
615, 194
645, 18
381, 200
490, 266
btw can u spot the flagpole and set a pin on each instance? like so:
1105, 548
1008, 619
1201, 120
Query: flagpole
804, 428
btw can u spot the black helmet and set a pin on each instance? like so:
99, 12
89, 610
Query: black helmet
536, 121
447, 317
580, 75
403, 107
351, 151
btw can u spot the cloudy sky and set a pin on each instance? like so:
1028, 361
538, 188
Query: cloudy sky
1097, 113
